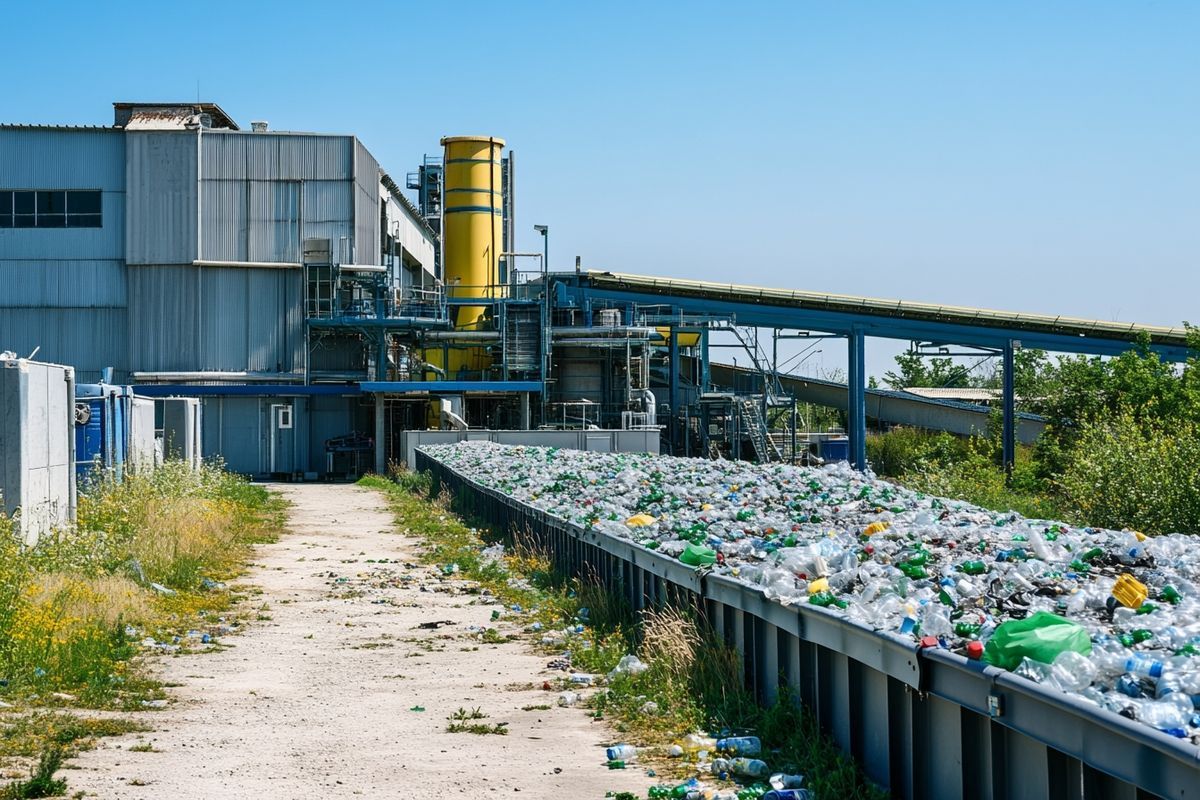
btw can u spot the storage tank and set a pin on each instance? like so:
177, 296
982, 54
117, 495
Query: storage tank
472, 236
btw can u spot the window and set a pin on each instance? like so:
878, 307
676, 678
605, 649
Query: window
51, 208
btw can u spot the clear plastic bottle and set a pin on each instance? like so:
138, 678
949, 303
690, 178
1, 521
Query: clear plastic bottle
621, 752
740, 745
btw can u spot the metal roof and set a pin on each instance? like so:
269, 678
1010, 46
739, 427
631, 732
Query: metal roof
971, 394
35, 127
889, 309
168, 116
395, 192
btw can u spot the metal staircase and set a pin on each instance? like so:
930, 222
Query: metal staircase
754, 428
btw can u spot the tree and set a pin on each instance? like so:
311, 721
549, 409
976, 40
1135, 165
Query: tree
937, 372
1083, 392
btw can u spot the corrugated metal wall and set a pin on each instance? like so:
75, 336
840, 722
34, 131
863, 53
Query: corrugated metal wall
161, 175
39, 158
215, 319
366, 206
328, 210
63, 290
262, 193
418, 242
87, 338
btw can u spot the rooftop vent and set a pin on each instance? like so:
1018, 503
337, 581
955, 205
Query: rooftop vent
259, 126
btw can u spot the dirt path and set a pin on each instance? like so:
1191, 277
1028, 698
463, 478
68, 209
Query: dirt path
317, 702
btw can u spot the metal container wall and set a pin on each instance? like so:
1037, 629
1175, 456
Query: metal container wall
93, 438
141, 446
182, 430
37, 445
922, 723
597, 441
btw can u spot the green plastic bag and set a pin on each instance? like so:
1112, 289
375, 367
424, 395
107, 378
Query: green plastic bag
1040, 637
695, 555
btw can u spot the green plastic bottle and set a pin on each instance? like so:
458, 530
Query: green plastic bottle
826, 599
967, 630
973, 567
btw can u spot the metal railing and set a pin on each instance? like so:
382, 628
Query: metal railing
922, 723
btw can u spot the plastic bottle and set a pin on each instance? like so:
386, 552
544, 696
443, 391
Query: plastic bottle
1113, 661
740, 745
749, 767
1172, 715
781, 780
621, 752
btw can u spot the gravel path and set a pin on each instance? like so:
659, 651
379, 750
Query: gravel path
317, 701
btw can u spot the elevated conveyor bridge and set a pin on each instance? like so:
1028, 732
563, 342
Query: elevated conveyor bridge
855, 318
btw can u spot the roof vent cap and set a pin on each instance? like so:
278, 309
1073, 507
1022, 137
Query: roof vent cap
259, 126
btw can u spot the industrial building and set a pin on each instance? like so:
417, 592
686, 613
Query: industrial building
320, 315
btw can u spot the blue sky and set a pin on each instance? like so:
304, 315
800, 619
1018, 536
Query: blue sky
1024, 155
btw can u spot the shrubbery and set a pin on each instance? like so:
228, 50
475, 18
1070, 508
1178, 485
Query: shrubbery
1121, 447
65, 603
1142, 475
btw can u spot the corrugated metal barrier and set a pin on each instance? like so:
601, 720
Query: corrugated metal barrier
923, 723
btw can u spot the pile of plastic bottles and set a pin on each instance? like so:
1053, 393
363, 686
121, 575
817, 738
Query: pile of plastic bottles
1119, 621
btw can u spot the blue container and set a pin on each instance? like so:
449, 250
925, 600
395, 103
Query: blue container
836, 449
103, 439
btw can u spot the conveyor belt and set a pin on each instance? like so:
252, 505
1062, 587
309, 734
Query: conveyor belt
887, 310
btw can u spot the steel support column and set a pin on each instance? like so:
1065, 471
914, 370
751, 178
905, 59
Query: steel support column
1010, 417
673, 368
380, 431
857, 398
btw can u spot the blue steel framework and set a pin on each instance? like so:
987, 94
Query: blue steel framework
921, 722
857, 318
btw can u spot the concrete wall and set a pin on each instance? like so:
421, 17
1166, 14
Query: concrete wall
600, 441
37, 445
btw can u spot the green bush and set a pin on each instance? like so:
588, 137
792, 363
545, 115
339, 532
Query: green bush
904, 450
1145, 475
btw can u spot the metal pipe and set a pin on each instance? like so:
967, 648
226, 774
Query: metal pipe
463, 336
270, 377
605, 333
203, 262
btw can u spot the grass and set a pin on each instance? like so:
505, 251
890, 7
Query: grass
148, 558
463, 721
693, 681
42, 782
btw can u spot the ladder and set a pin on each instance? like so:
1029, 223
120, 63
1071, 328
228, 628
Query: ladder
754, 426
